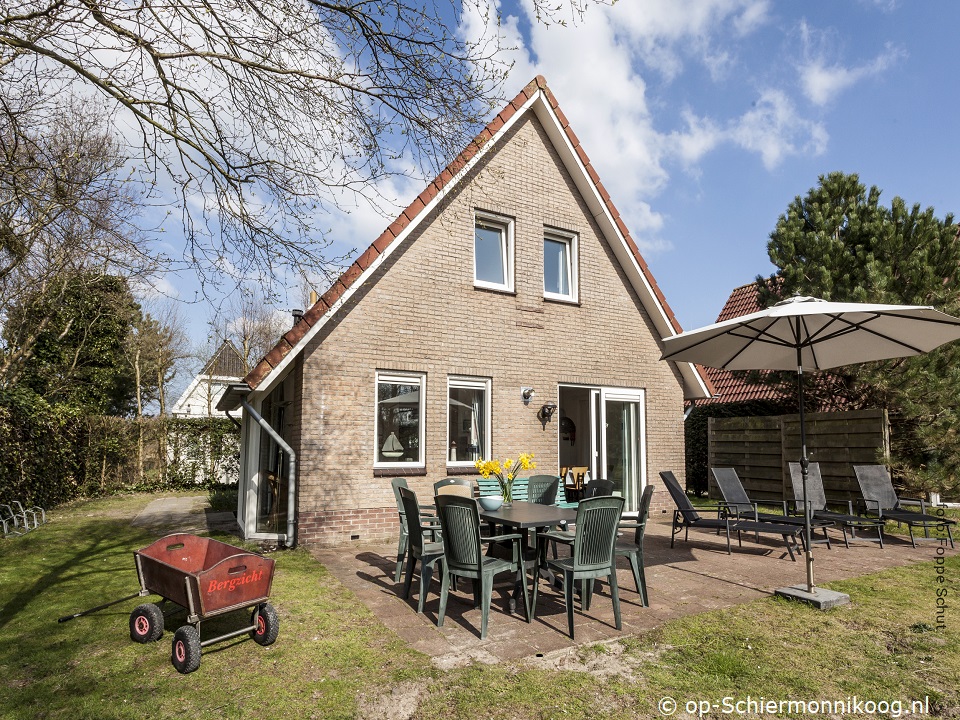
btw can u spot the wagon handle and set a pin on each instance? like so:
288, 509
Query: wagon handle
65, 618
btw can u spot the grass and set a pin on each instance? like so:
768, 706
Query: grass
334, 659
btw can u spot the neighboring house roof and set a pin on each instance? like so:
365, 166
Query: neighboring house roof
226, 362
728, 388
225, 367
535, 97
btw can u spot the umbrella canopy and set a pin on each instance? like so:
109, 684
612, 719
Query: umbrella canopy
813, 334
805, 333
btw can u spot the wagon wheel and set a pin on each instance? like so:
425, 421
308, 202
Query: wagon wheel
146, 623
186, 649
268, 624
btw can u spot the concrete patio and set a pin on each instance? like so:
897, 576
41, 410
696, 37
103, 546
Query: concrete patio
693, 577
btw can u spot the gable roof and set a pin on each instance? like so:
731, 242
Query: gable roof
536, 97
728, 387
226, 362
224, 367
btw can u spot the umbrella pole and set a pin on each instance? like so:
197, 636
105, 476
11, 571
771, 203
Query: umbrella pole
807, 521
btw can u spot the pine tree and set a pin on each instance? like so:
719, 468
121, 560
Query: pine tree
839, 243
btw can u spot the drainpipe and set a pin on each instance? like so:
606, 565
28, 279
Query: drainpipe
289, 538
233, 419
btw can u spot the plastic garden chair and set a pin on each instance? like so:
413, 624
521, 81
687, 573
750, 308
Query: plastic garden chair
463, 557
598, 488
403, 543
428, 553
454, 486
633, 551
592, 554
542, 489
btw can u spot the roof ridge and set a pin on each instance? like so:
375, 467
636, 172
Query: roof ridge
349, 276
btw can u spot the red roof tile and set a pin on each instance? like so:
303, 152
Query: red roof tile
728, 388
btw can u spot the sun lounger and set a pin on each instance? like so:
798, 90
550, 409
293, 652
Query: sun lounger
881, 499
686, 516
818, 505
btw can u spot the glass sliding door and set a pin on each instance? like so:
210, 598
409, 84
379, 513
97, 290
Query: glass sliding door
612, 441
621, 448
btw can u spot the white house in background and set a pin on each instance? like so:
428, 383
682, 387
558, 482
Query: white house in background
226, 367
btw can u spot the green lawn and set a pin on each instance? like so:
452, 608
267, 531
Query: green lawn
334, 659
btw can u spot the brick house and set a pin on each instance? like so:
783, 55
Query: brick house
506, 310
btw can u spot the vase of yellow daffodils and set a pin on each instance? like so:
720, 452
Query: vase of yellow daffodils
505, 472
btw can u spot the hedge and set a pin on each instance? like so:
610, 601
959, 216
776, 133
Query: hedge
50, 455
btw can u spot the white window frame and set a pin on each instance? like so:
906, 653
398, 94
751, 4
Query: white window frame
505, 226
571, 241
472, 383
400, 378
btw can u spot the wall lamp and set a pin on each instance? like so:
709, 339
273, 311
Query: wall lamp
527, 394
547, 411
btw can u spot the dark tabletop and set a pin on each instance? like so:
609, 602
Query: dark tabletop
528, 515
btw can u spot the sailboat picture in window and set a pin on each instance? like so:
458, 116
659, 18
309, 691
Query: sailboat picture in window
392, 447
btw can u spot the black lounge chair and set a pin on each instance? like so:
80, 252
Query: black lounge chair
818, 505
735, 497
686, 516
881, 499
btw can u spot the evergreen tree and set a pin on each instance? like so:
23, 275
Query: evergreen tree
78, 358
839, 243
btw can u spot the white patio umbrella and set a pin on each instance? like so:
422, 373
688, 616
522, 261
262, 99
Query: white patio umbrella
805, 333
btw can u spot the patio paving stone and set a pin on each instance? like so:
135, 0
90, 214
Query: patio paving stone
695, 576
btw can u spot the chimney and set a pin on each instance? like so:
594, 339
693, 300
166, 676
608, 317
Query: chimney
313, 298
297, 316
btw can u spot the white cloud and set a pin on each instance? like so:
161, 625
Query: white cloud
666, 32
823, 79
774, 130
771, 128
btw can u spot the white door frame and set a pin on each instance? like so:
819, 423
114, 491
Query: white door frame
599, 395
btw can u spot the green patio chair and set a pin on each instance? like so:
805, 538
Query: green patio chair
597, 488
542, 489
427, 553
633, 550
403, 542
463, 557
454, 486
592, 555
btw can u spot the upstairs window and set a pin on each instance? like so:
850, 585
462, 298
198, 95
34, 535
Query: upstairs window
559, 263
493, 252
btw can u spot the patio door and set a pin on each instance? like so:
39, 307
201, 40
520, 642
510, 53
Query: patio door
620, 459
612, 440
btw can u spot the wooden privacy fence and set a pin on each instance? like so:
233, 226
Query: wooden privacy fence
760, 449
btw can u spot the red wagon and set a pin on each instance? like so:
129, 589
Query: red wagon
207, 578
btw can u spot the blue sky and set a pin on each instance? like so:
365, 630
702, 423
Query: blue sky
705, 118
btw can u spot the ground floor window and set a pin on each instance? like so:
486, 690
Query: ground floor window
468, 418
399, 422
